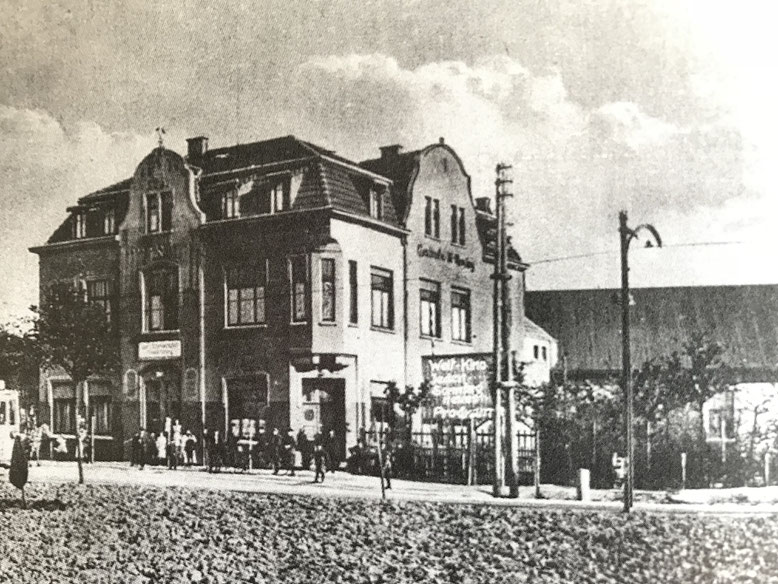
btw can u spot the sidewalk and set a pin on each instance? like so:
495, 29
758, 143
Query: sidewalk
342, 484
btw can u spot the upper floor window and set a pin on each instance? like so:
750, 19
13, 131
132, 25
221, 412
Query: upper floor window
544, 352
230, 204
382, 298
429, 304
376, 205
246, 294
109, 221
298, 281
353, 317
457, 225
460, 315
64, 416
79, 225
161, 299
279, 197
432, 217
328, 289
98, 292
159, 211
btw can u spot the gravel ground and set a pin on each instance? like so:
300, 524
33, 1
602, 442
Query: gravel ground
143, 534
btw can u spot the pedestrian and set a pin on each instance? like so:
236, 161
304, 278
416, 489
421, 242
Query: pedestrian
20, 461
172, 454
387, 456
36, 439
320, 462
331, 445
136, 453
148, 448
290, 449
304, 446
276, 446
161, 444
190, 445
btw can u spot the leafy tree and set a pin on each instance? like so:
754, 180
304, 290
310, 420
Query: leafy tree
77, 336
409, 401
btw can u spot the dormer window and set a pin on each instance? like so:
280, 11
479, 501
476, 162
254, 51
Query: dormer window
376, 205
159, 212
109, 221
230, 205
279, 197
79, 225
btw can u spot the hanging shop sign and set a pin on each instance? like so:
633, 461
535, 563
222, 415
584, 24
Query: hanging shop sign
459, 386
450, 257
155, 350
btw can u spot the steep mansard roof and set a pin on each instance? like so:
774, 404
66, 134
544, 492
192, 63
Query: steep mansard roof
330, 180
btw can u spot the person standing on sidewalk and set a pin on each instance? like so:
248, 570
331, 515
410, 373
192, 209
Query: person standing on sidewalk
332, 447
290, 450
275, 445
320, 461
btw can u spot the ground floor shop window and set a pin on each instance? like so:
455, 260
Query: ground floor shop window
100, 407
64, 416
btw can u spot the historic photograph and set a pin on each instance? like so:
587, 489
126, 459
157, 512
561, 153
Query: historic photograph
388, 291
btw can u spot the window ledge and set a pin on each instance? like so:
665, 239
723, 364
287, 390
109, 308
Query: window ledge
353, 325
328, 323
433, 238
430, 337
244, 327
379, 329
463, 343
298, 323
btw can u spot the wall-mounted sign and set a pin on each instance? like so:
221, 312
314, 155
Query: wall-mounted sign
459, 386
451, 257
154, 350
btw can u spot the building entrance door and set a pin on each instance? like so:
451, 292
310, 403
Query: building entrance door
325, 409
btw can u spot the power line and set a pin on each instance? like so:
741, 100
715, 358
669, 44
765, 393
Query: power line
615, 251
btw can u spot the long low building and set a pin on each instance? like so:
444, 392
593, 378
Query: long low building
276, 284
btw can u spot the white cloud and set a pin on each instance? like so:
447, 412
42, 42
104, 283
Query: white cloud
44, 168
575, 167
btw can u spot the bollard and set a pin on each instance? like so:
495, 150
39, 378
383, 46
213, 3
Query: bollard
584, 493
683, 470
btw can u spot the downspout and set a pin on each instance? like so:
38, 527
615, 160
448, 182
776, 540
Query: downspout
405, 309
201, 343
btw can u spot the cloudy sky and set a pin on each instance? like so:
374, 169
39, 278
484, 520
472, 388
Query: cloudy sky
665, 108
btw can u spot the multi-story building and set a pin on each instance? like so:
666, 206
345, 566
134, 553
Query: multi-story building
275, 282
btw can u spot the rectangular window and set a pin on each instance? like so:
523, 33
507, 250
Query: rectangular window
379, 410
230, 205
328, 289
435, 219
353, 317
246, 292
98, 292
64, 416
100, 407
457, 225
376, 205
298, 280
109, 221
460, 315
159, 212
279, 197
382, 298
79, 225
429, 306
535, 350
428, 216
161, 289
544, 352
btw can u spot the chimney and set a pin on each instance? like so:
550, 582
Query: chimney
484, 204
390, 152
196, 147
441, 140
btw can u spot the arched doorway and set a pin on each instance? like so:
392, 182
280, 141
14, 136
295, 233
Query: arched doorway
161, 395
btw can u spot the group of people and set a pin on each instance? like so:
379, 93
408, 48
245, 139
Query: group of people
171, 448
281, 451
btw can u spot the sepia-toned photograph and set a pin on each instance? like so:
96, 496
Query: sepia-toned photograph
388, 291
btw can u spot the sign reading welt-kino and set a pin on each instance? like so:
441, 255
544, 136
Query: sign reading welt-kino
459, 386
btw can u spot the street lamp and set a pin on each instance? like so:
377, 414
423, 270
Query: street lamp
626, 235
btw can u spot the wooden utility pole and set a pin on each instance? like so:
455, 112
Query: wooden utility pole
498, 484
626, 366
508, 383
